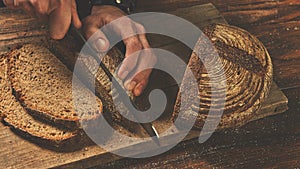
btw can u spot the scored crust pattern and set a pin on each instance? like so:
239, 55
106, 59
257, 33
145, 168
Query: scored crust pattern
248, 75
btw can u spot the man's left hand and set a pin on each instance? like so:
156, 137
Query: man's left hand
139, 59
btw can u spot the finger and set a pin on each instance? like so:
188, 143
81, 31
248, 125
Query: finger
138, 90
138, 80
75, 17
133, 48
28, 8
40, 9
144, 70
12, 4
125, 27
60, 20
129, 63
142, 35
92, 32
146, 64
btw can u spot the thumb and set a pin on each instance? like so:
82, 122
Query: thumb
94, 35
11, 4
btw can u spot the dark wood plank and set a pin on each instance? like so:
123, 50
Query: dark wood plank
224, 155
18, 28
276, 103
17, 152
90, 156
272, 142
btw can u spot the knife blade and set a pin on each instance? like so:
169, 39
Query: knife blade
148, 127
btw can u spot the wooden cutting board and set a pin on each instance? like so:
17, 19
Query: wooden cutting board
16, 152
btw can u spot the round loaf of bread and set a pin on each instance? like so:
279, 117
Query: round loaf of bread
246, 66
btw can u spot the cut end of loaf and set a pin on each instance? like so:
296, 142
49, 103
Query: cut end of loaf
45, 87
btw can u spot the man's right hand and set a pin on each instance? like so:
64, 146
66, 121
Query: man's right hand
59, 14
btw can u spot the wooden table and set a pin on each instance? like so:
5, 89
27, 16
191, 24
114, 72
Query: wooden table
272, 142
269, 142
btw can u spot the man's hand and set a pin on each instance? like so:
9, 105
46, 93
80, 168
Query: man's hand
137, 66
59, 14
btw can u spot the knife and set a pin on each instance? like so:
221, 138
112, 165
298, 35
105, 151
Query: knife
148, 127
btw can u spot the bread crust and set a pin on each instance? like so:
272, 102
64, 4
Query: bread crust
47, 106
248, 70
68, 54
15, 116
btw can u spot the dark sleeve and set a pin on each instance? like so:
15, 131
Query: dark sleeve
1, 4
84, 6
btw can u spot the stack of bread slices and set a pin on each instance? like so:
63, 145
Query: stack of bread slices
36, 97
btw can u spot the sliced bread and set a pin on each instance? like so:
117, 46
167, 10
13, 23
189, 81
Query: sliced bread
43, 85
65, 51
16, 116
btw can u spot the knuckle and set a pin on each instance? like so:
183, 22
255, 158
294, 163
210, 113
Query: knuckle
133, 42
40, 10
125, 20
37, 6
32, 1
57, 36
88, 21
107, 17
140, 27
59, 2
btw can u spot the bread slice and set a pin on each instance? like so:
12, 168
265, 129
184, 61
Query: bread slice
16, 116
43, 85
65, 51
248, 70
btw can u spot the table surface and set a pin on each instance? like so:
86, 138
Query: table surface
272, 142
18, 28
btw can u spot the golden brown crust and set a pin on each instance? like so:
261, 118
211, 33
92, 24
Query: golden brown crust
248, 70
